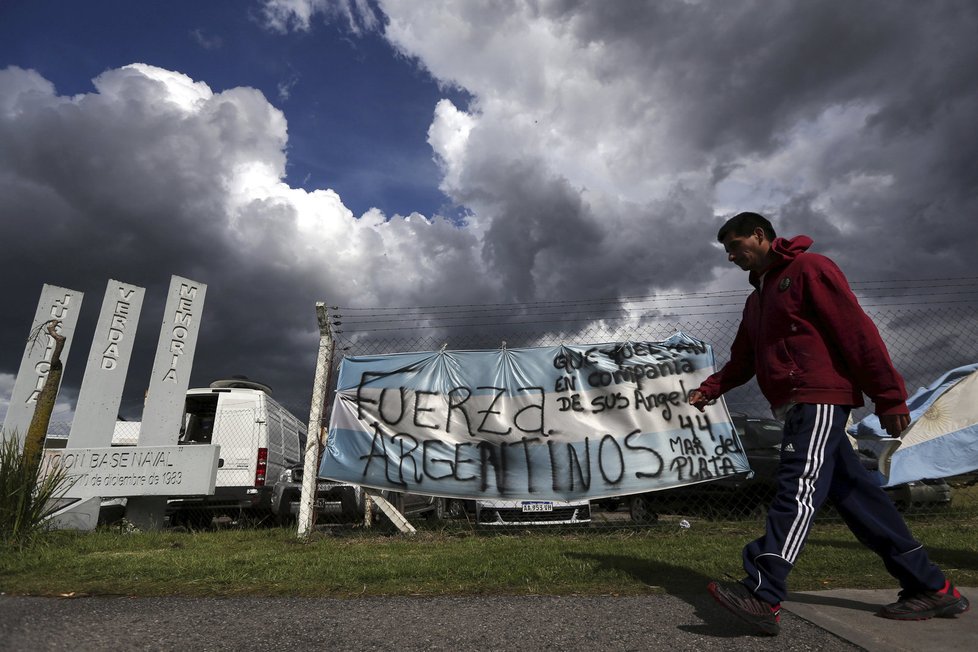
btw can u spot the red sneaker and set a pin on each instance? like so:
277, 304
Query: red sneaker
921, 605
739, 600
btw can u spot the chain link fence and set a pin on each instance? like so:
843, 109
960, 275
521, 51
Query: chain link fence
924, 342
259, 482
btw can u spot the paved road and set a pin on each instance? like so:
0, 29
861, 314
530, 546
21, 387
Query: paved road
405, 624
396, 624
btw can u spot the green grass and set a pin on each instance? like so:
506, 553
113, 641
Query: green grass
449, 562
25, 493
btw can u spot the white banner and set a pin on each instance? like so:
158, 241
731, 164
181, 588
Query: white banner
559, 423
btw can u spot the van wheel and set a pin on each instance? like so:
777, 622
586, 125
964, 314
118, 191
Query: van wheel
196, 520
248, 519
454, 508
439, 511
353, 504
642, 511
285, 519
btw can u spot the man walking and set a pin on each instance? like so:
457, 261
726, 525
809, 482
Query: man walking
815, 352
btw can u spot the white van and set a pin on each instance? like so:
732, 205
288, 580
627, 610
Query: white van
258, 438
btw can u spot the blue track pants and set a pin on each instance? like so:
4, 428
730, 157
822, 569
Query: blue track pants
817, 461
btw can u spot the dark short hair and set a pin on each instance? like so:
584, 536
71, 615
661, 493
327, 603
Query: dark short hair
743, 224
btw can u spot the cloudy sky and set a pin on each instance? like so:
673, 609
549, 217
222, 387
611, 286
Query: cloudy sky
396, 153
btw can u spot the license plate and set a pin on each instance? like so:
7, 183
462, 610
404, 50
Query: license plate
538, 506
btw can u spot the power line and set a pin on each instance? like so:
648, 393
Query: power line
892, 285
890, 294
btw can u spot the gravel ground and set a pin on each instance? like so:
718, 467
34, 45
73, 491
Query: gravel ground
399, 624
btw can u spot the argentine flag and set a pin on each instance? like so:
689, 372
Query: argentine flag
942, 439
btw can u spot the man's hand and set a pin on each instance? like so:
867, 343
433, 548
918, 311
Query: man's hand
697, 400
894, 424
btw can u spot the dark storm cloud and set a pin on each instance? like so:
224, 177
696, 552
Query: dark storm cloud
746, 71
547, 241
124, 184
846, 120
603, 145
153, 175
740, 77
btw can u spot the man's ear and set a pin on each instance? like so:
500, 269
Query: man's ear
759, 232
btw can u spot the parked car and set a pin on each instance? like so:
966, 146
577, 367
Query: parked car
743, 494
334, 500
923, 494
532, 512
342, 502
432, 507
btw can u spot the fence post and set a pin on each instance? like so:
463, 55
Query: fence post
314, 436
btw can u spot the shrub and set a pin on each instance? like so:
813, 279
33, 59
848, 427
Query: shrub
28, 495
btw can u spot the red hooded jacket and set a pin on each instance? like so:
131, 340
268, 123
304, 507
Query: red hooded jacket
807, 339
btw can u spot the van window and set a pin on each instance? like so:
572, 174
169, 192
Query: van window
274, 423
198, 420
290, 436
